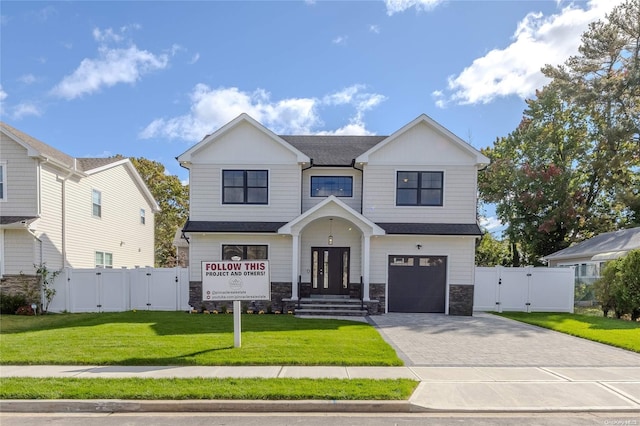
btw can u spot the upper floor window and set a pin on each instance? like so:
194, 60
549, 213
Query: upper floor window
142, 217
323, 186
104, 259
3, 180
245, 187
419, 189
96, 199
244, 252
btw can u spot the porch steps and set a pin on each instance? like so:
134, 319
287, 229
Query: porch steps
330, 306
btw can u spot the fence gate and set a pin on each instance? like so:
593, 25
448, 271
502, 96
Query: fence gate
526, 289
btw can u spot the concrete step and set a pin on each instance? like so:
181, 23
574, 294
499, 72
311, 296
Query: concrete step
330, 306
331, 312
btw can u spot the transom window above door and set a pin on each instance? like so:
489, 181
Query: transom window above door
323, 186
419, 189
245, 187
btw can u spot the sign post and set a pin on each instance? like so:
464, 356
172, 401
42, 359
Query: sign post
232, 280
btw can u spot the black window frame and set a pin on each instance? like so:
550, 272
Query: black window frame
245, 187
245, 249
419, 188
312, 191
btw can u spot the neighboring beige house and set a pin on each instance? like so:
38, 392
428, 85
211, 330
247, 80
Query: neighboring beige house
70, 212
391, 216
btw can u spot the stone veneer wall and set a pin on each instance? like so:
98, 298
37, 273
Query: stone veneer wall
21, 284
279, 291
461, 300
377, 292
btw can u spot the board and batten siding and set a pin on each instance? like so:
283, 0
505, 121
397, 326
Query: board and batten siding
283, 194
459, 203
208, 247
460, 252
355, 202
345, 234
22, 179
119, 230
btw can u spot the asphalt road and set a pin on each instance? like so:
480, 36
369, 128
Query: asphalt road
322, 419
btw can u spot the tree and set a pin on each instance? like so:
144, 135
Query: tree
570, 170
173, 198
492, 252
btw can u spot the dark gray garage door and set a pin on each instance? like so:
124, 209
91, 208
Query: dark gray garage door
417, 283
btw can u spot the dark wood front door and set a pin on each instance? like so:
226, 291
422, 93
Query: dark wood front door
330, 270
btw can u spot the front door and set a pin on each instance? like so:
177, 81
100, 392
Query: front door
330, 270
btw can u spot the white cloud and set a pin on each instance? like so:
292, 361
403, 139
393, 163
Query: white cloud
491, 224
195, 58
27, 79
374, 28
112, 66
340, 40
25, 109
515, 70
3, 94
212, 108
397, 6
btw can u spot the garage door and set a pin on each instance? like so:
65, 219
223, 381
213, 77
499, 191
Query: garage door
417, 283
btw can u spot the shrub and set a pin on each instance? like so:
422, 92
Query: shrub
9, 303
25, 310
619, 286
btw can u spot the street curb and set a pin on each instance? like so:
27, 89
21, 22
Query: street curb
197, 406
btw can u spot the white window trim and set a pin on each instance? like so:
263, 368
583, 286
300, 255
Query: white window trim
143, 217
3, 197
104, 253
93, 190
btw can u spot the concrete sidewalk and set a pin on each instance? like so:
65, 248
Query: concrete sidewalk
446, 389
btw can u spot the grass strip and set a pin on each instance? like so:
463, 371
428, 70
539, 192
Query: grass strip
201, 388
178, 338
611, 331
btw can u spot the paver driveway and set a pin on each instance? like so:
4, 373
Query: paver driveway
489, 340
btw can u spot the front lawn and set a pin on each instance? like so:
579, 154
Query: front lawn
178, 338
614, 332
198, 388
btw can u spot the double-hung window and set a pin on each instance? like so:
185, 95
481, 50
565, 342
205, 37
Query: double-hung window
245, 187
104, 259
3, 180
142, 217
96, 199
323, 186
419, 189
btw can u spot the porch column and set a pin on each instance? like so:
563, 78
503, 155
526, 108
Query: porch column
366, 263
295, 264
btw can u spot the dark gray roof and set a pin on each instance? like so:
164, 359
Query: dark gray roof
621, 240
333, 150
431, 228
211, 226
8, 220
82, 164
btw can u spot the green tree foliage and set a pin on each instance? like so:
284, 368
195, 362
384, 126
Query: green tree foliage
492, 252
173, 198
571, 168
619, 286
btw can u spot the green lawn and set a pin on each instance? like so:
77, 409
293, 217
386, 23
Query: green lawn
198, 388
614, 332
178, 338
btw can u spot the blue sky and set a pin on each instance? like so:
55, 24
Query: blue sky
151, 78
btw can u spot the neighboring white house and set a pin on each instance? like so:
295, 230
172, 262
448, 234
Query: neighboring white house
590, 255
392, 215
65, 211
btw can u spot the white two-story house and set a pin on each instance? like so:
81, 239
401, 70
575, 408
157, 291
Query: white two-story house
69, 212
387, 219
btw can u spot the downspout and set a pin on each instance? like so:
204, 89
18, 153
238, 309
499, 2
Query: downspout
302, 182
353, 164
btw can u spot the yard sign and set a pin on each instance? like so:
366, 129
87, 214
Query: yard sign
244, 280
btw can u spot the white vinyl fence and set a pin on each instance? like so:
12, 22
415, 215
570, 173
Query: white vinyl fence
526, 289
117, 290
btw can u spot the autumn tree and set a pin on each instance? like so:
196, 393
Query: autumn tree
173, 198
570, 170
